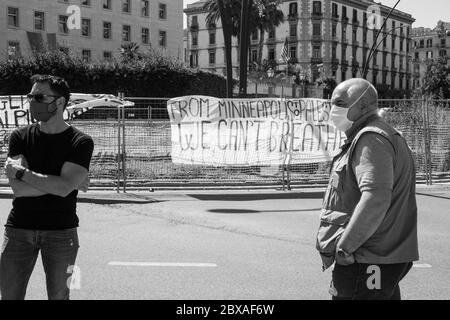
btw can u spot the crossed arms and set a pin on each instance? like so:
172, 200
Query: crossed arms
34, 184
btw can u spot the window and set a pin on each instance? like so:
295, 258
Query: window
107, 55
374, 79
194, 39
86, 55
422, 44
429, 43
416, 55
317, 52
316, 30
293, 52
212, 38
212, 57
271, 54
442, 53
107, 30
162, 38
343, 75
13, 17
355, 35
194, 21
86, 3
162, 11
344, 12
393, 43
401, 44
145, 35
272, 33
194, 59
86, 27
317, 7
126, 6
13, 49
334, 9
254, 55
107, 6
355, 15
333, 30
145, 7
443, 42
429, 54
39, 20
126, 33
292, 30
62, 25
255, 35
333, 52
293, 8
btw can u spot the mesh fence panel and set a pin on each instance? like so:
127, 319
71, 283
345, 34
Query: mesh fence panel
144, 137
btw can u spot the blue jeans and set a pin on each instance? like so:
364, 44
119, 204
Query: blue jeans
19, 253
353, 282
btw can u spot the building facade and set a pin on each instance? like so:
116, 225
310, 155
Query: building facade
329, 38
93, 29
428, 45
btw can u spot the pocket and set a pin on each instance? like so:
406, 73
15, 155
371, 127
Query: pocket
332, 225
337, 178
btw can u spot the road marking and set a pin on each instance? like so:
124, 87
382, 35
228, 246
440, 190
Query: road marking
421, 265
162, 264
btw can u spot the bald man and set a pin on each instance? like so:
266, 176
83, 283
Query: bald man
368, 224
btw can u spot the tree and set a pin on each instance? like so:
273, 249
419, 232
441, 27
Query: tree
262, 15
436, 82
129, 52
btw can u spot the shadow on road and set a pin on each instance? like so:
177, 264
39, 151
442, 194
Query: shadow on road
244, 211
258, 196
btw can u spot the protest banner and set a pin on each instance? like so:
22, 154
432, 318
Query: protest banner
212, 131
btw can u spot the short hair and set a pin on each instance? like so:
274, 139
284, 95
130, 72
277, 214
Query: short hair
57, 84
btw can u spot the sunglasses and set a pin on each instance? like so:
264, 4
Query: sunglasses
39, 97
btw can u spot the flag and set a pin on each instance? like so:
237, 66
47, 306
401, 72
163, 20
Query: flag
285, 52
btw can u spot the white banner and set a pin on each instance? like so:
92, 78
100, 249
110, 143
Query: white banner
213, 131
14, 110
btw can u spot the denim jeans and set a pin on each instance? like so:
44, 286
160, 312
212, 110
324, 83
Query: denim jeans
19, 253
358, 281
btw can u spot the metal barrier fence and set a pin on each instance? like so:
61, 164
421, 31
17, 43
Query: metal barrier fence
133, 148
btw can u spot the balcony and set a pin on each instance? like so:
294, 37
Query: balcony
335, 17
335, 39
317, 15
292, 38
194, 27
335, 61
317, 37
293, 60
316, 60
355, 43
355, 23
344, 63
344, 41
345, 20
292, 17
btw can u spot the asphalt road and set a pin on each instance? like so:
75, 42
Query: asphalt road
237, 244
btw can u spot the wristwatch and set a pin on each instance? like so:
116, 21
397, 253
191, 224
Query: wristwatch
20, 173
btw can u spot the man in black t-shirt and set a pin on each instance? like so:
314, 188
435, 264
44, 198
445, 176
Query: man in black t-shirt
48, 162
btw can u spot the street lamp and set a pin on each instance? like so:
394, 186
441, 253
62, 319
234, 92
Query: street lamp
270, 75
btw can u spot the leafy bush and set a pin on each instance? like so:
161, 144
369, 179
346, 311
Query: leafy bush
151, 76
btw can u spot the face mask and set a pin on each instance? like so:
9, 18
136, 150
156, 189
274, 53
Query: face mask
339, 117
42, 111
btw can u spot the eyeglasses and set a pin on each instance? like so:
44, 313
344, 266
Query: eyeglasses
39, 97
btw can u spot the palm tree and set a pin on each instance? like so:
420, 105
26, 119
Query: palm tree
129, 51
262, 16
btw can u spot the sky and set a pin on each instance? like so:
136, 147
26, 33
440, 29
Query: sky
426, 12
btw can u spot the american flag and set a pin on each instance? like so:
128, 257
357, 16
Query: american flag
285, 52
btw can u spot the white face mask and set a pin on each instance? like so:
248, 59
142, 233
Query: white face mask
339, 117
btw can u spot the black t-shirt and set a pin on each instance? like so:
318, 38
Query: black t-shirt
46, 154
